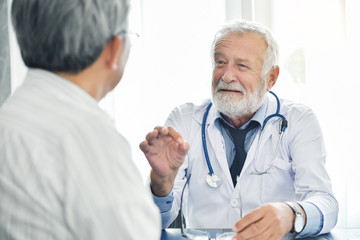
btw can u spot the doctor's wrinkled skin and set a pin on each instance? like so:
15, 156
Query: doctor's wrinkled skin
294, 196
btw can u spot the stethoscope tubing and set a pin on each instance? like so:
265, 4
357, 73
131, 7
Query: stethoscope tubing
256, 171
284, 124
211, 171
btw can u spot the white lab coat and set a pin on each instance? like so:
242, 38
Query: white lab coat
298, 172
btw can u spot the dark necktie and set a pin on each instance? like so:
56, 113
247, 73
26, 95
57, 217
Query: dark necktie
238, 137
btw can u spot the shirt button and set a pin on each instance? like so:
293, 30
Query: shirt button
234, 202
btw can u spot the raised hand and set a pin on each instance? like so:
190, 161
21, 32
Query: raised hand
165, 150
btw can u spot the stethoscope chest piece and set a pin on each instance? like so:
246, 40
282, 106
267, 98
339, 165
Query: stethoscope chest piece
213, 180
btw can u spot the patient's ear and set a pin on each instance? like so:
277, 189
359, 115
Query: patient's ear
113, 52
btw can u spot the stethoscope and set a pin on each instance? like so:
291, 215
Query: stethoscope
211, 178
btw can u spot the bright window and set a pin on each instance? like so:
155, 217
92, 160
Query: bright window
319, 55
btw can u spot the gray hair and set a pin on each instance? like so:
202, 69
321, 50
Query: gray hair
66, 35
271, 57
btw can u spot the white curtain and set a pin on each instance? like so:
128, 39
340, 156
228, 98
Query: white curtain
170, 65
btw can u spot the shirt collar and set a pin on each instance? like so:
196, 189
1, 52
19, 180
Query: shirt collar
59, 87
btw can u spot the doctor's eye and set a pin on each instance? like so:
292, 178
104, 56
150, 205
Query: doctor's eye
243, 66
219, 63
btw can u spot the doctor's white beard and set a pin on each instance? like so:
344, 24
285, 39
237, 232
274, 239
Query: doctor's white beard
230, 105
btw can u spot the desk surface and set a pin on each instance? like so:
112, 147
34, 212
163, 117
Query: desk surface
336, 234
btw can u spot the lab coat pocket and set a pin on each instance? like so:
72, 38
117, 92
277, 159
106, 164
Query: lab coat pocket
277, 185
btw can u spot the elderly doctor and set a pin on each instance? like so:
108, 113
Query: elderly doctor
262, 184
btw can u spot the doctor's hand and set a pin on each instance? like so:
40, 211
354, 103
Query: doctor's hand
165, 150
269, 221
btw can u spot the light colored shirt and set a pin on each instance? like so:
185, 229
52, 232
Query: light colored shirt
259, 117
65, 171
290, 178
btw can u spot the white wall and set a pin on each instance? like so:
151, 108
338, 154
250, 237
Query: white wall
319, 67
168, 66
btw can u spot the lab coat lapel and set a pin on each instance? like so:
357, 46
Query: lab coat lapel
218, 145
266, 136
250, 157
215, 142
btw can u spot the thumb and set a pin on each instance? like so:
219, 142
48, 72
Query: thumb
184, 148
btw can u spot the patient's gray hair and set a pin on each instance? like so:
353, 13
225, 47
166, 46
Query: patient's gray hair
66, 35
271, 57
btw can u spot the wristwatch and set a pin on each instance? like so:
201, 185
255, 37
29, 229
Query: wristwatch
299, 221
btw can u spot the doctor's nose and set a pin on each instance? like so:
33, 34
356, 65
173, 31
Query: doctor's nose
229, 75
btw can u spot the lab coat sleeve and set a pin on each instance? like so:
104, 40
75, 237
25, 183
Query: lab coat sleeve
312, 183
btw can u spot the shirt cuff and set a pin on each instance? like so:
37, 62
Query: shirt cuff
164, 203
314, 220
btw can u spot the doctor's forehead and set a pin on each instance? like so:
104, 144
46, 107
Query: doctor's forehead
248, 43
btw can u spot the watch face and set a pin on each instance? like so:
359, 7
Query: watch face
299, 223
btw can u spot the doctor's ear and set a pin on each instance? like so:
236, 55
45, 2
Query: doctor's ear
272, 76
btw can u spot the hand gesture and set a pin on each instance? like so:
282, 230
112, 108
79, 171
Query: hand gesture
165, 150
